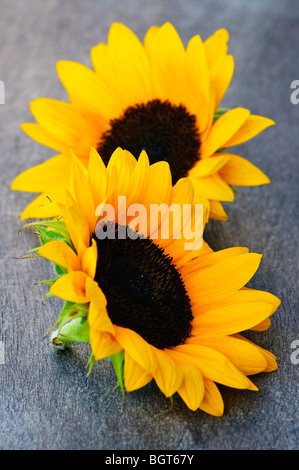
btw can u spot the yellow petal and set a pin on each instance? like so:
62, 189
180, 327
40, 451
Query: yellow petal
149, 36
103, 344
212, 187
215, 366
197, 63
269, 357
212, 402
216, 47
77, 226
230, 319
71, 287
60, 253
167, 58
182, 256
135, 376
192, 388
251, 127
211, 258
94, 293
240, 172
208, 166
133, 71
86, 90
104, 63
173, 221
97, 177
141, 351
262, 326
182, 192
242, 296
89, 259
244, 355
81, 190
160, 185
43, 177
123, 160
168, 374
46, 205
139, 180
216, 210
123, 163
98, 319
42, 136
253, 295
66, 123
221, 76
199, 83
224, 278
222, 130
121, 63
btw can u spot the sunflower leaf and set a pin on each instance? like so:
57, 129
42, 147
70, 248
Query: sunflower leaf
118, 364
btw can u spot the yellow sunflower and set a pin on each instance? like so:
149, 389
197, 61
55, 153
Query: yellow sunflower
158, 96
172, 315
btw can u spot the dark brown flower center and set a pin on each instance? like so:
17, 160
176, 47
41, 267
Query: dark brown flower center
165, 131
144, 290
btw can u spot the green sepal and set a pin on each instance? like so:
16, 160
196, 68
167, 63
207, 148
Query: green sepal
218, 113
28, 257
91, 362
48, 282
76, 330
60, 230
118, 364
236, 191
69, 312
45, 235
60, 269
48, 294
33, 249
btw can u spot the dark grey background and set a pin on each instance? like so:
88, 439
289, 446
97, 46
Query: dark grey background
46, 401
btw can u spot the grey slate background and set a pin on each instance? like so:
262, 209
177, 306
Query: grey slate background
45, 400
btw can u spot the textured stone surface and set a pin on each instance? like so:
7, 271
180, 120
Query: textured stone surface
45, 400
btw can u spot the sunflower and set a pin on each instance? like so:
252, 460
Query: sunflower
160, 311
158, 96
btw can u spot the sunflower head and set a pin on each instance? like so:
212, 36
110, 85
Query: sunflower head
159, 310
158, 96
